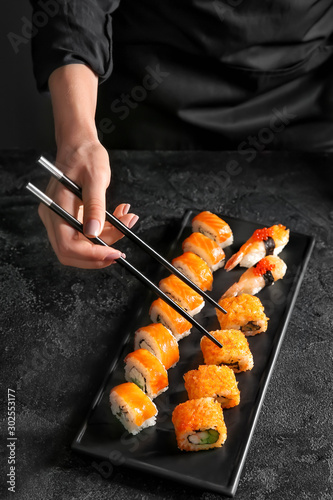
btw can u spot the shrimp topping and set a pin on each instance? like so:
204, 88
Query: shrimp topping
265, 241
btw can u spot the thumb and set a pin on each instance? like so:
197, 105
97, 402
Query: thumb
93, 197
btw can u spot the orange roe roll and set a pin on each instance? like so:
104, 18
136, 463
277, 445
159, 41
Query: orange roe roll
157, 339
214, 227
199, 425
147, 372
218, 382
133, 408
244, 312
161, 312
235, 352
195, 268
183, 294
206, 248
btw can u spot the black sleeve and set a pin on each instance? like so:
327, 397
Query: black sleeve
71, 31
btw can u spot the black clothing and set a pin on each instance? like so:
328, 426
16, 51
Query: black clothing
246, 74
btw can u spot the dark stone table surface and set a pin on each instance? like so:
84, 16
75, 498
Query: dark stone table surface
59, 325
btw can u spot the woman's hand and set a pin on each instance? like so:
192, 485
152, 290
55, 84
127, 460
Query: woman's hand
83, 159
88, 166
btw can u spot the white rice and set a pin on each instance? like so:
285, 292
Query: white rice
257, 254
128, 421
158, 317
141, 374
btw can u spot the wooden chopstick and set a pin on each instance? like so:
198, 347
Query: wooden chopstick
72, 221
61, 177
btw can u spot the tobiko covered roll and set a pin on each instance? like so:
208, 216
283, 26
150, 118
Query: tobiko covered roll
132, 407
199, 425
206, 248
147, 372
157, 339
214, 227
195, 268
244, 312
218, 382
161, 312
235, 352
183, 294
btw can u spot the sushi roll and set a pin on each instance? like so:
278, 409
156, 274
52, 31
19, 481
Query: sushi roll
195, 268
161, 312
159, 341
132, 407
235, 352
264, 273
214, 227
206, 248
199, 425
147, 372
183, 294
266, 241
244, 312
218, 382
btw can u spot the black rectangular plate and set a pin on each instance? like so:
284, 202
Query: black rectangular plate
154, 449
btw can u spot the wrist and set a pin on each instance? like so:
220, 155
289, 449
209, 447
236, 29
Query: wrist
73, 133
74, 94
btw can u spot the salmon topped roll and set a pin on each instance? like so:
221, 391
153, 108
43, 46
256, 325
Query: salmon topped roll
214, 227
161, 312
218, 382
157, 339
266, 241
147, 372
132, 407
199, 425
264, 273
195, 268
183, 294
206, 248
235, 352
244, 312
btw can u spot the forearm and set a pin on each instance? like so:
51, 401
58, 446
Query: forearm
73, 91
82, 157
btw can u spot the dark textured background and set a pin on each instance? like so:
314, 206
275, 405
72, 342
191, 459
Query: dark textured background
59, 325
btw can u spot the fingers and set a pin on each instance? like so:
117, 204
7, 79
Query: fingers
93, 196
72, 248
89, 167
110, 234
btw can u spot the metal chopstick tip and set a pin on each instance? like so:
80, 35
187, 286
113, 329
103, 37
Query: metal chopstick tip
50, 167
39, 194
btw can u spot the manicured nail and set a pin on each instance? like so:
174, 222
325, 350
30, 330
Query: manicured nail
115, 254
126, 208
133, 221
92, 228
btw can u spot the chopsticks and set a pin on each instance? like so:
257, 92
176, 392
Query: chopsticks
61, 177
79, 227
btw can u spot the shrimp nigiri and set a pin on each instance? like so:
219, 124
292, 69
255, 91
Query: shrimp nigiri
266, 241
264, 273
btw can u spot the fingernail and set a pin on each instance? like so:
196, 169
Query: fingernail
133, 221
113, 255
126, 208
92, 228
